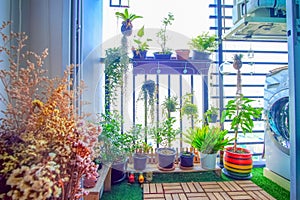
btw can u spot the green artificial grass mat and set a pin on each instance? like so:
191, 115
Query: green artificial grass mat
126, 191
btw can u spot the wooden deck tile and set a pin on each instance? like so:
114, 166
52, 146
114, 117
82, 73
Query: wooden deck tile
225, 196
185, 187
227, 190
235, 185
146, 188
152, 188
239, 195
159, 188
198, 187
211, 196
198, 194
182, 196
175, 197
153, 196
192, 187
218, 196
168, 196
224, 186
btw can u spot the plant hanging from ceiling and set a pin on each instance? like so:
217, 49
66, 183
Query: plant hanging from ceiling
116, 66
127, 18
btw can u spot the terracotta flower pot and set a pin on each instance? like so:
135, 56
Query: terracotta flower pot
182, 54
237, 165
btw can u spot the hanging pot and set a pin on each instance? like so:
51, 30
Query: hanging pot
126, 27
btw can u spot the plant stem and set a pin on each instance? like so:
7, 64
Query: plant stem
238, 107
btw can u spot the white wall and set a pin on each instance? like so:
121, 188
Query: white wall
191, 19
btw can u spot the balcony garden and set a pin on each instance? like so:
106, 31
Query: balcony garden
175, 127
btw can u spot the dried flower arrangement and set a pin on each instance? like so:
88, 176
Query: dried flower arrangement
46, 148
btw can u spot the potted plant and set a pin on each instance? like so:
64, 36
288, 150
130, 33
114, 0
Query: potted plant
164, 133
170, 104
140, 157
237, 160
140, 148
186, 159
203, 45
188, 107
162, 36
127, 18
208, 140
140, 51
115, 145
211, 115
182, 54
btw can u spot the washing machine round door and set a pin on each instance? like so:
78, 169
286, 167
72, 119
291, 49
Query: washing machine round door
278, 118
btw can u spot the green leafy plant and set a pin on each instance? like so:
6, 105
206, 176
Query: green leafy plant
170, 104
142, 45
204, 42
162, 33
127, 18
210, 114
115, 145
116, 66
241, 112
188, 108
148, 95
207, 139
164, 133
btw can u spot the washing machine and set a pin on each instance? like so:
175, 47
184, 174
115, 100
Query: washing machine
276, 109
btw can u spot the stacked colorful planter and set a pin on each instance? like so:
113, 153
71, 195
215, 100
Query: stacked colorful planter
237, 165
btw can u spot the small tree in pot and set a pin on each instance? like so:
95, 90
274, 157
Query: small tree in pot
140, 148
164, 134
241, 113
162, 36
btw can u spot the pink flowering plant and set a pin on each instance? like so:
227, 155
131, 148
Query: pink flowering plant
46, 148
